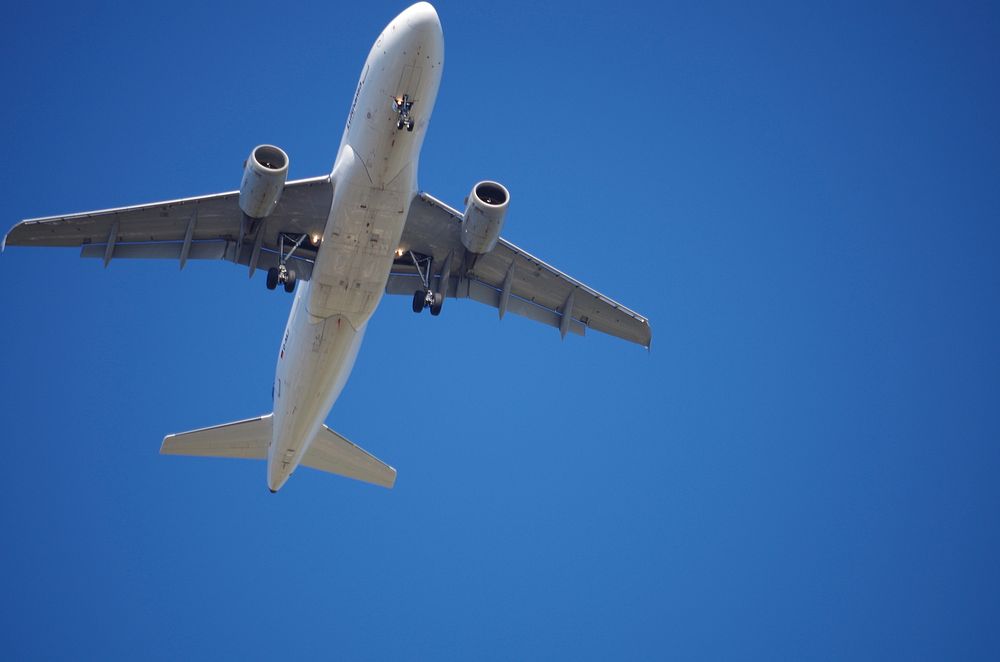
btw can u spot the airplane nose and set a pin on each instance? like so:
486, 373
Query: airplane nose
421, 19
417, 28
421, 16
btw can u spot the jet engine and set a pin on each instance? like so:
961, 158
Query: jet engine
264, 177
483, 218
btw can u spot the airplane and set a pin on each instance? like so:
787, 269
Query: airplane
346, 239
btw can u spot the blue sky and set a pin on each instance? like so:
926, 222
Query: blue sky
803, 200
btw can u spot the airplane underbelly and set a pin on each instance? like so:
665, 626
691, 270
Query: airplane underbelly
359, 244
375, 179
315, 361
331, 310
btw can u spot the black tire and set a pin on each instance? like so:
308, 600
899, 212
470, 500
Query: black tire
438, 303
419, 301
399, 124
409, 125
290, 282
272, 278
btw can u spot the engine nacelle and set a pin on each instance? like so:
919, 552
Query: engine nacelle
483, 219
263, 180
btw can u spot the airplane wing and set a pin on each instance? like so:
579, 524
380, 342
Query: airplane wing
507, 278
205, 227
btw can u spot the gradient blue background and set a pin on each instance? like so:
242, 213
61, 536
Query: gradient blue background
804, 201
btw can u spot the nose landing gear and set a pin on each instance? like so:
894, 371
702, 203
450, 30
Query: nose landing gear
401, 106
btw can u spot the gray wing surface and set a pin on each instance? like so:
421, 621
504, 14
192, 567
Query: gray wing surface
205, 227
507, 278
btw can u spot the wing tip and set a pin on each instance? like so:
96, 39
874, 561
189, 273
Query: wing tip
165, 445
3, 242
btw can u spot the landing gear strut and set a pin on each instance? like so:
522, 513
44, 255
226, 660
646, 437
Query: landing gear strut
281, 273
425, 298
401, 106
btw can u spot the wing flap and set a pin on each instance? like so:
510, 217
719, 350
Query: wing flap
334, 454
202, 250
162, 250
464, 288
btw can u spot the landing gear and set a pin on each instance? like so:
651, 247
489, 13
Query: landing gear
428, 299
281, 273
425, 298
401, 106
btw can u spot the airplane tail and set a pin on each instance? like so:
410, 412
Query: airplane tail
249, 439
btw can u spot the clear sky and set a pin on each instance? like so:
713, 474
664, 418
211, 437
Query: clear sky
802, 197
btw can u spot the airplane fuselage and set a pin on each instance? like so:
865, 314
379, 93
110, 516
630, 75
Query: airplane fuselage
374, 180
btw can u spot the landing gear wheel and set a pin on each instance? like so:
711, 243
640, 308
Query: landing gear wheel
436, 306
419, 301
281, 273
401, 106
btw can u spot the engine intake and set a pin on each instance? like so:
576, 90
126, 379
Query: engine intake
483, 218
263, 180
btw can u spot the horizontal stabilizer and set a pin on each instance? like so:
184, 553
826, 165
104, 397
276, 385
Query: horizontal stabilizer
246, 439
249, 439
334, 454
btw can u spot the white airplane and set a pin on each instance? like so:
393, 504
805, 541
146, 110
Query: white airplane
346, 238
